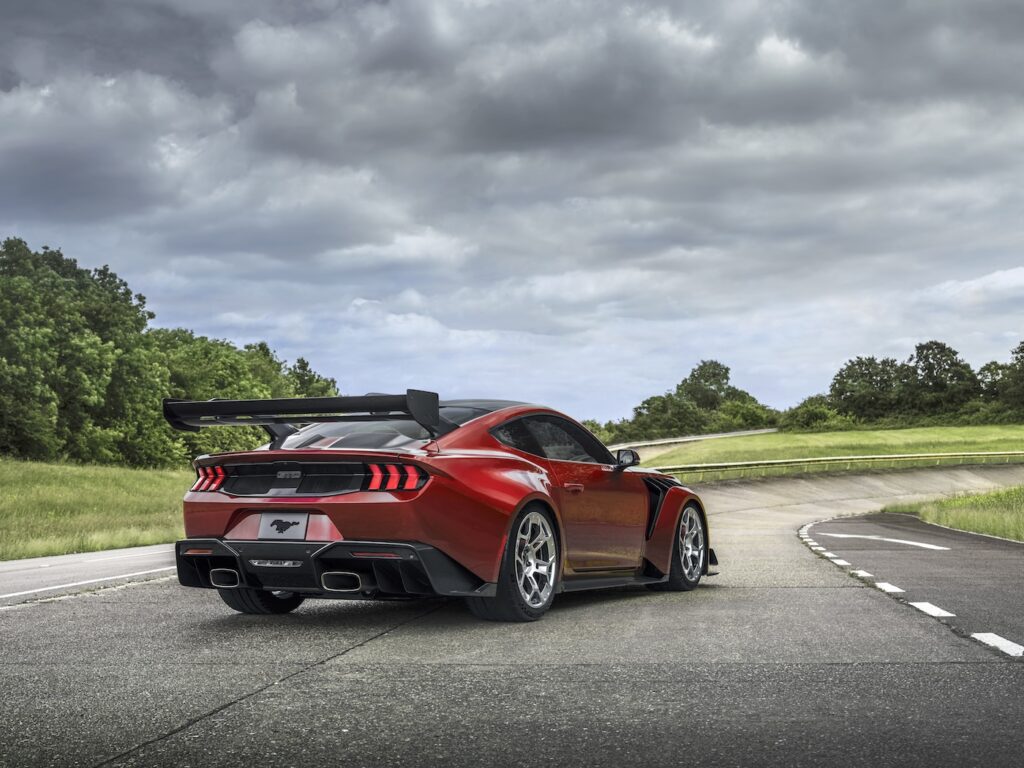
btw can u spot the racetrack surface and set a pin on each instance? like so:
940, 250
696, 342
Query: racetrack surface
782, 659
42, 577
973, 584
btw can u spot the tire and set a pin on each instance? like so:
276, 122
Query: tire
524, 591
260, 601
689, 553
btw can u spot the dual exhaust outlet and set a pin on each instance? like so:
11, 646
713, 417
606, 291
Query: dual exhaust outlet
331, 581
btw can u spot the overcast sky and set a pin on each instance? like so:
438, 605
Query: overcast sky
564, 202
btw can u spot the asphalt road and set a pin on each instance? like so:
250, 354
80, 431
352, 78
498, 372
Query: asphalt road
782, 659
42, 577
973, 584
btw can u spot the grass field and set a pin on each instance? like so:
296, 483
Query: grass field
798, 445
53, 509
1000, 513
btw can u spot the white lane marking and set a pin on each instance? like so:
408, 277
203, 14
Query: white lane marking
830, 554
83, 583
818, 549
812, 543
862, 574
837, 561
1004, 645
114, 557
882, 538
933, 610
885, 586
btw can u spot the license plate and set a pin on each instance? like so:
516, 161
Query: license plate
283, 525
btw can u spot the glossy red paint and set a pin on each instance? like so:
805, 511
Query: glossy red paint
476, 486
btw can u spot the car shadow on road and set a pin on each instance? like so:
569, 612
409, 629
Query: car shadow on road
370, 614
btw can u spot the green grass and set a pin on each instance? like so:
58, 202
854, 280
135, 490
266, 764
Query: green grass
1000, 513
54, 509
799, 445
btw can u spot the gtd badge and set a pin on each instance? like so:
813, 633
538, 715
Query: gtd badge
289, 474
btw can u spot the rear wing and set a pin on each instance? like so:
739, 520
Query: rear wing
277, 415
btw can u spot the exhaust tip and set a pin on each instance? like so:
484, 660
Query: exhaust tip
341, 581
224, 578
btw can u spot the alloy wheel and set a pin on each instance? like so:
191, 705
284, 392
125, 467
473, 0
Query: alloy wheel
691, 544
535, 559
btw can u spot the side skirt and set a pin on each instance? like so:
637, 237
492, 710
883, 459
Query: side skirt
607, 582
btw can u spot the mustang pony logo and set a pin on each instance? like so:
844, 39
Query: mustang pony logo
283, 525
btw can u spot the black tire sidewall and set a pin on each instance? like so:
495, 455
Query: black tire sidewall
260, 602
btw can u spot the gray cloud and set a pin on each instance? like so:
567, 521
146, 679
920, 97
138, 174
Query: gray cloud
567, 202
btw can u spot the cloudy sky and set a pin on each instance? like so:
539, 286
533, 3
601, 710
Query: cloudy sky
565, 202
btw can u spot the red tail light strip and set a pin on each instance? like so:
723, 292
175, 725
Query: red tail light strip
379, 477
210, 479
395, 477
204, 479
376, 478
218, 479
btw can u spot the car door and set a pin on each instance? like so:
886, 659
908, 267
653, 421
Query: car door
604, 511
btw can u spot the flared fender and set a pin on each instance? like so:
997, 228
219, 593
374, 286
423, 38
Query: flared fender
658, 550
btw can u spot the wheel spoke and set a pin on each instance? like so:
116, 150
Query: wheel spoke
535, 559
691, 544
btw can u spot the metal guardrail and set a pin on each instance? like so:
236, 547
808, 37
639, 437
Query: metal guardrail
835, 462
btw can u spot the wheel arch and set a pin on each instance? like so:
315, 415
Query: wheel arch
548, 506
658, 548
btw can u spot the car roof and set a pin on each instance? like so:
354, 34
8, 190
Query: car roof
482, 405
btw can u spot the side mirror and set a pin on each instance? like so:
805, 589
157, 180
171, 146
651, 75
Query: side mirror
626, 457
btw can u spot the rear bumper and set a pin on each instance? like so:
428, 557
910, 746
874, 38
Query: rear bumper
390, 569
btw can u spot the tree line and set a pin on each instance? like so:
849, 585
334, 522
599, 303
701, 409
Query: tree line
933, 387
82, 373
703, 403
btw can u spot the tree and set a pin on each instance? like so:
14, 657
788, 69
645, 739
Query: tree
82, 375
308, 383
707, 386
265, 366
1011, 385
992, 377
941, 381
668, 415
868, 388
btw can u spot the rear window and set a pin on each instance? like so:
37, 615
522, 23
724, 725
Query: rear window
385, 433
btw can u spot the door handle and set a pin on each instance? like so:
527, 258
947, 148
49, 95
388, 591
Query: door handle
573, 487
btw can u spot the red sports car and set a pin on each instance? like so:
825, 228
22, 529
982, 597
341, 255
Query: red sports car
504, 504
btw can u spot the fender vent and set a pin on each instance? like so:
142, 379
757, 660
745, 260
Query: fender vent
658, 487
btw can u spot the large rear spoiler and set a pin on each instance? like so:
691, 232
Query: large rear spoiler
276, 415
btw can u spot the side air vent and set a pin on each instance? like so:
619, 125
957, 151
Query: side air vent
657, 488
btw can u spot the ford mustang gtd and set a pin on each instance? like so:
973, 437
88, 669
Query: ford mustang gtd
397, 496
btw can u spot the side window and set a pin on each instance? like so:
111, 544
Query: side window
563, 441
514, 434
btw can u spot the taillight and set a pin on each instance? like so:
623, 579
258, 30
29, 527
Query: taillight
210, 479
394, 477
